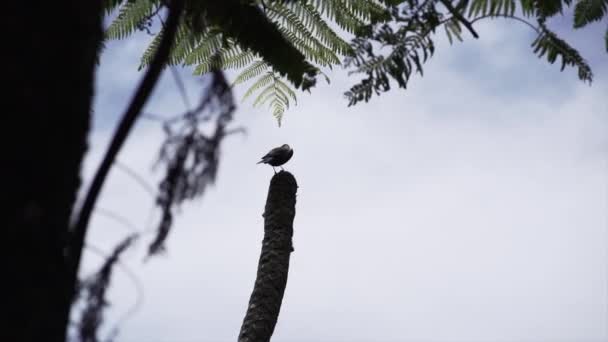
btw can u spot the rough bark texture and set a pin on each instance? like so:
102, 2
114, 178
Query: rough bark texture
48, 64
265, 302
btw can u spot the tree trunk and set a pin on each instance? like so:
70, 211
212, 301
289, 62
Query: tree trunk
48, 60
265, 302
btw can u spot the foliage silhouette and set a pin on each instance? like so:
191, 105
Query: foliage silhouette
233, 41
408, 37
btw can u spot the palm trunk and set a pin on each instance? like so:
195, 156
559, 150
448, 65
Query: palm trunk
265, 302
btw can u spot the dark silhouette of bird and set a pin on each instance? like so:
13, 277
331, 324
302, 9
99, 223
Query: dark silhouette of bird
277, 157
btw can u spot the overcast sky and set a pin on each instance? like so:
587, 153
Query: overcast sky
471, 207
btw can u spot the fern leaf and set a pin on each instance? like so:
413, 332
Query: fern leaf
264, 95
277, 111
548, 43
492, 8
110, 5
587, 11
317, 53
209, 46
226, 59
131, 14
186, 40
253, 70
367, 10
548, 8
341, 14
261, 82
318, 26
146, 58
281, 96
303, 39
287, 89
452, 28
527, 7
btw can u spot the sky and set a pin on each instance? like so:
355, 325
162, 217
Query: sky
470, 207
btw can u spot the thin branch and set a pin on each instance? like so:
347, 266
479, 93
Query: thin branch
152, 117
506, 16
76, 244
182, 89
117, 218
457, 15
139, 288
136, 177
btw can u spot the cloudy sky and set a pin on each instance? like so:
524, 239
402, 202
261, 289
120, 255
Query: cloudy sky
471, 207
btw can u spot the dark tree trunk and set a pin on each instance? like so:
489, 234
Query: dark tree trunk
265, 302
48, 62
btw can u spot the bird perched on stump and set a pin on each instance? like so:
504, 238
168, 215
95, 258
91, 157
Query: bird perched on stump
277, 157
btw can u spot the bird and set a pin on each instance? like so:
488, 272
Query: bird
277, 157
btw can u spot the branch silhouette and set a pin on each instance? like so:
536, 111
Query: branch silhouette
74, 251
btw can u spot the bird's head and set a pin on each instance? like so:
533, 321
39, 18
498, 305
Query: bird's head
286, 147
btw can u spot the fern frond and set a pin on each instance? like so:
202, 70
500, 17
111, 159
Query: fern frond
209, 46
253, 70
261, 82
548, 43
276, 99
110, 5
587, 11
131, 14
452, 28
548, 8
407, 57
225, 59
281, 95
368, 10
287, 89
318, 26
186, 41
277, 111
317, 53
274, 92
303, 39
148, 55
264, 95
341, 14
491, 8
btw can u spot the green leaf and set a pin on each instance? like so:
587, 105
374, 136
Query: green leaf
261, 82
146, 58
131, 14
549, 44
110, 5
548, 8
208, 47
253, 70
284, 87
265, 95
491, 8
587, 11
